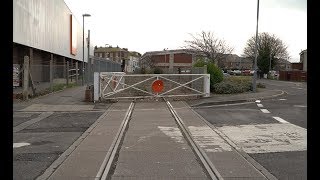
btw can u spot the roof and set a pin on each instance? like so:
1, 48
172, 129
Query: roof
175, 51
110, 49
283, 61
134, 54
304, 51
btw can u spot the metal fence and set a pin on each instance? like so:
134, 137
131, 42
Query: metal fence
33, 79
97, 64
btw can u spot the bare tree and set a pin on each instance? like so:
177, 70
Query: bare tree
269, 47
207, 45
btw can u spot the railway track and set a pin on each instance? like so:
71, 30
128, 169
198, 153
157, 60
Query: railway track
110, 161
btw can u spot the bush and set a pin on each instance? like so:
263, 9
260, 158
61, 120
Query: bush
233, 84
216, 75
157, 70
143, 70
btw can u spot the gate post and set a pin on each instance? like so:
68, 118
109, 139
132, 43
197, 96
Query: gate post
96, 86
206, 85
26, 78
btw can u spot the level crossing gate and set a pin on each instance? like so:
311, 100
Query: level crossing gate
119, 85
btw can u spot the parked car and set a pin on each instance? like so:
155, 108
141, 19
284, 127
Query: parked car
246, 72
237, 72
226, 75
230, 72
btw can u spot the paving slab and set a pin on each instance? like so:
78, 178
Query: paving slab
153, 163
149, 149
228, 162
86, 159
80, 164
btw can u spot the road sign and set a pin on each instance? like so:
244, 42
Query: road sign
157, 86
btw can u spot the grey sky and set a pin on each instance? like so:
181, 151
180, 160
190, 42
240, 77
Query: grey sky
152, 25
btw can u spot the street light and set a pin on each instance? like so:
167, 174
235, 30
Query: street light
83, 15
254, 86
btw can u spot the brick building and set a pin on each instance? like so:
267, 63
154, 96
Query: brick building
233, 61
116, 54
170, 61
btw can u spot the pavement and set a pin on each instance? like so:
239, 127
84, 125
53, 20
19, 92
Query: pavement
215, 99
151, 123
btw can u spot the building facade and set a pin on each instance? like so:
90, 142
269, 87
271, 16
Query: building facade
283, 65
233, 61
116, 54
45, 31
303, 59
170, 61
133, 63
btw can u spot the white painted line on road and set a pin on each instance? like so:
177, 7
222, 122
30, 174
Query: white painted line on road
299, 106
282, 99
298, 88
259, 105
220, 105
16, 145
265, 111
258, 101
32, 121
280, 120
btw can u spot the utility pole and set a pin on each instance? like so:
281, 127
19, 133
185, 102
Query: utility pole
89, 62
83, 15
254, 85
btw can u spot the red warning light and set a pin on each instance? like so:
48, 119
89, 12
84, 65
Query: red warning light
157, 86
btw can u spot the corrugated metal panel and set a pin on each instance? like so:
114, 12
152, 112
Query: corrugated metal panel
45, 25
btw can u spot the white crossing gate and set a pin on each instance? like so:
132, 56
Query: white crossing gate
116, 85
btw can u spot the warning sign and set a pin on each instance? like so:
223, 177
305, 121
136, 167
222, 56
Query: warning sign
157, 86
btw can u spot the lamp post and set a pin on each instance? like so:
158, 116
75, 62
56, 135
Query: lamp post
83, 15
254, 85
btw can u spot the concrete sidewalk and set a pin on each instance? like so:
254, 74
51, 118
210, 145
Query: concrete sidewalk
215, 99
76, 96
69, 96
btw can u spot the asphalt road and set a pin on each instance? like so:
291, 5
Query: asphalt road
273, 131
46, 129
46, 140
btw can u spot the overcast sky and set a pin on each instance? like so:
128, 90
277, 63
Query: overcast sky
152, 25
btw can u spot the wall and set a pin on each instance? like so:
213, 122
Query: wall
296, 66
